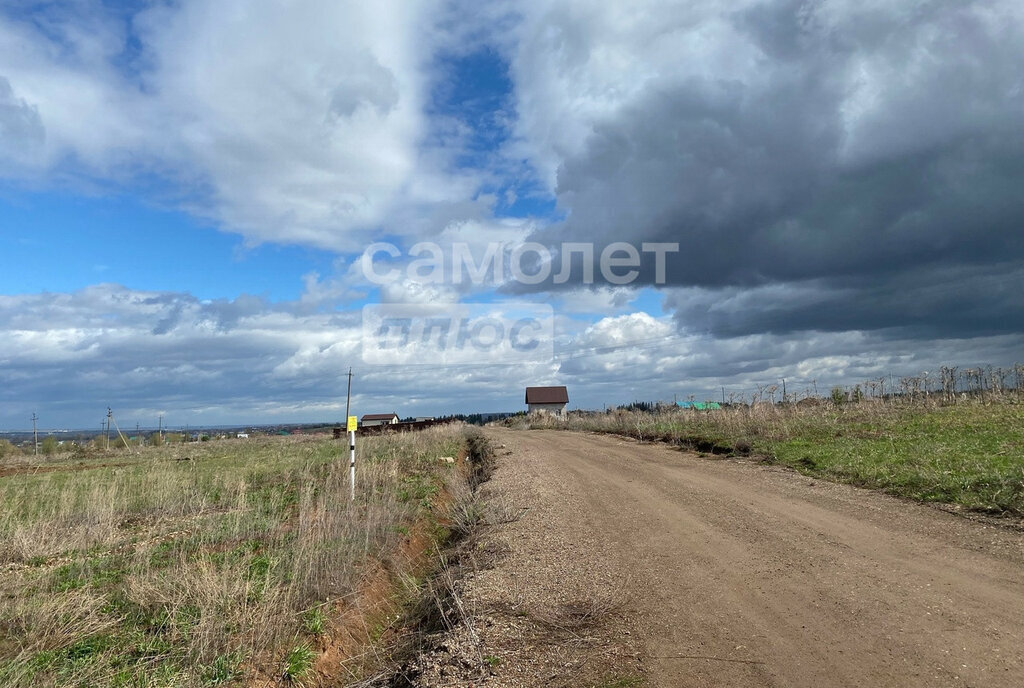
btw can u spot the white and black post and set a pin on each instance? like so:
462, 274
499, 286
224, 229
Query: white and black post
351, 425
352, 462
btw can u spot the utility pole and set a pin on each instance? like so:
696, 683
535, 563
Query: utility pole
723, 396
110, 419
35, 435
348, 395
160, 427
783, 390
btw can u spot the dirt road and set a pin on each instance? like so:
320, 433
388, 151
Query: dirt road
750, 575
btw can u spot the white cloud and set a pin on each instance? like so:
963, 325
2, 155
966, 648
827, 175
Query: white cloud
412, 291
239, 360
21, 130
305, 118
596, 300
578, 64
246, 360
625, 329
292, 122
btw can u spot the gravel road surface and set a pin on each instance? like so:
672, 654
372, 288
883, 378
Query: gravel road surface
733, 573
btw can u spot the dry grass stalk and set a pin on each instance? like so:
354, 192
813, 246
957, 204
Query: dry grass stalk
187, 573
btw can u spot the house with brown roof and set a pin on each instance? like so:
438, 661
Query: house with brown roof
372, 419
550, 400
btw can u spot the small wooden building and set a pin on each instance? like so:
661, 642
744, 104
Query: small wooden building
372, 419
552, 400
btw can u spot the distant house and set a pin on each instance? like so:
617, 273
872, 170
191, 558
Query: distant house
547, 400
422, 419
372, 419
242, 435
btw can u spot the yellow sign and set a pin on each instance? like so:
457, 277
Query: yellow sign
353, 423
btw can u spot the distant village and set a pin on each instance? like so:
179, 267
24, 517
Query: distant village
549, 400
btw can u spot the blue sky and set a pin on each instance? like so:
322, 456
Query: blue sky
134, 236
59, 241
186, 190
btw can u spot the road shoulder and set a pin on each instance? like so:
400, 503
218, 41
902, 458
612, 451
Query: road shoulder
542, 605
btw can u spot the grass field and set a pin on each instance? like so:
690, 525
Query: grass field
970, 453
215, 563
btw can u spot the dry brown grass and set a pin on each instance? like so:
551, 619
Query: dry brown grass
171, 572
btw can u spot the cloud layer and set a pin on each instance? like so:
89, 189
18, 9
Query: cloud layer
291, 122
197, 362
843, 178
823, 165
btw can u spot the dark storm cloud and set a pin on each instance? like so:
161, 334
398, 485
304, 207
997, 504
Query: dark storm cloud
962, 301
861, 168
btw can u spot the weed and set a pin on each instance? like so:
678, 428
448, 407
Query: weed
222, 669
298, 662
68, 577
88, 647
314, 621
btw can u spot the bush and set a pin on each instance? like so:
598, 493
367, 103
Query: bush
6, 449
49, 445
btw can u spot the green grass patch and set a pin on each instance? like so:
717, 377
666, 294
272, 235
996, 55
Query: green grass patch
222, 669
314, 621
970, 453
298, 662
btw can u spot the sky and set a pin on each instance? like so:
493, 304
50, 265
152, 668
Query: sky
194, 198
